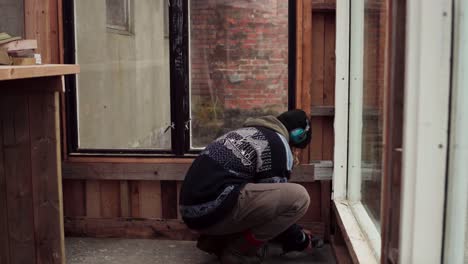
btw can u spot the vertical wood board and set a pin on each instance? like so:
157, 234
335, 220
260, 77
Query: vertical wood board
44, 159
17, 161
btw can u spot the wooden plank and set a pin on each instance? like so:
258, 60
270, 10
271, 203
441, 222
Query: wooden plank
129, 160
328, 139
110, 199
18, 45
328, 85
322, 110
93, 198
41, 23
74, 202
17, 161
313, 213
146, 172
179, 188
316, 144
150, 199
317, 85
135, 198
124, 199
34, 71
325, 188
328, 7
61, 38
307, 38
45, 166
4, 238
329, 60
340, 251
128, 228
169, 199
124, 171
299, 55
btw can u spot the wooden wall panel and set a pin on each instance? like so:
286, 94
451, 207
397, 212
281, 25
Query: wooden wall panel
16, 143
46, 183
313, 213
135, 198
74, 203
316, 60
93, 198
169, 199
110, 199
150, 199
124, 199
4, 241
42, 23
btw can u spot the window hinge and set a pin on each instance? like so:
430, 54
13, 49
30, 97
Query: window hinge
187, 124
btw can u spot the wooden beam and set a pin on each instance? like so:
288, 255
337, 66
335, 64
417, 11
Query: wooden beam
319, 170
34, 71
128, 228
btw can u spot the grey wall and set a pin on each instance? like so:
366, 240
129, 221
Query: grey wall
12, 17
123, 88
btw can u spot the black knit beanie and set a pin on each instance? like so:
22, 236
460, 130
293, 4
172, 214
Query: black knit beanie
296, 119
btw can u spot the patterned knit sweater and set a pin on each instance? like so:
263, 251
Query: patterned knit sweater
257, 153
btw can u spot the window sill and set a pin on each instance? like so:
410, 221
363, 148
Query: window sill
357, 241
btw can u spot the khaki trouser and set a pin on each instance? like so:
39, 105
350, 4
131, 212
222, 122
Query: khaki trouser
267, 209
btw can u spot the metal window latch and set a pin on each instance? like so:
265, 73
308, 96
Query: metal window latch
187, 123
172, 125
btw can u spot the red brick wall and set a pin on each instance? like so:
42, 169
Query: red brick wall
239, 53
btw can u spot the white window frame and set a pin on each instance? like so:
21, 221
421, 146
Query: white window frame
364, 239
425, 135
457, 190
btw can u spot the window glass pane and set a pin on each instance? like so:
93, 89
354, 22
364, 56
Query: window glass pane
466, 235
239, 63
374, 63
123, 90
12, 17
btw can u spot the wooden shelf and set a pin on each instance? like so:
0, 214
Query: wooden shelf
34, 71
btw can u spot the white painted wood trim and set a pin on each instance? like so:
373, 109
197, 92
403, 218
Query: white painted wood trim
340, 167
356, 240
425, 130
368, 228
457, 191
356, 100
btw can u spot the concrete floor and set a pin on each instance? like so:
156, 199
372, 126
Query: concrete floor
141, 251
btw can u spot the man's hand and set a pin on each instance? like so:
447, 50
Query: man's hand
314, 242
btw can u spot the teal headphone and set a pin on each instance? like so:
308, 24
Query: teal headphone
299, 135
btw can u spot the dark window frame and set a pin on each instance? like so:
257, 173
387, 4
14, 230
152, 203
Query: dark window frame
179, 84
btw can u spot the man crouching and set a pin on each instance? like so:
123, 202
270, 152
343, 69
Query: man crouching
236, 193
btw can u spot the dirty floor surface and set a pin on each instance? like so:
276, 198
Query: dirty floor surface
141, 251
